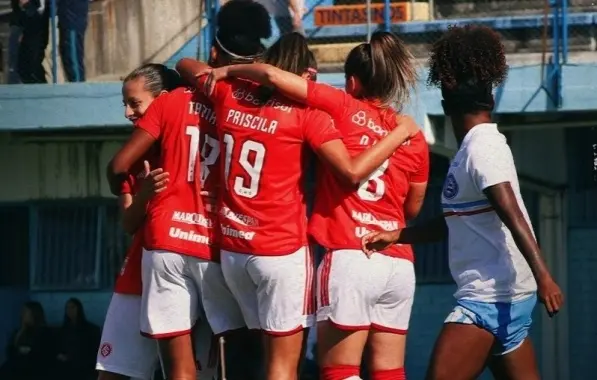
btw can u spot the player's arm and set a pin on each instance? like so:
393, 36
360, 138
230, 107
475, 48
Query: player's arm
132, 151
431, 231
491, 169
290, 85
418, 185
189, 69
355, 169
147, 131
134, 207
414, 199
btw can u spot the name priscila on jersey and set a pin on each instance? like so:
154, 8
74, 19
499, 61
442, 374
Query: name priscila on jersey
204, 111
254, 122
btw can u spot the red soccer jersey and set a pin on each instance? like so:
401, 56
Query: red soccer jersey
262, 204
129, 278
342, 215
176, 218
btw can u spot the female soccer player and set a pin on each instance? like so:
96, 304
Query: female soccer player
264, 256
181, 273
361, 299
123, 352
494, 257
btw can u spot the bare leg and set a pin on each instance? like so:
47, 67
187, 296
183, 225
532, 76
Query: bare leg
339, 347
386, 350
519, 364
283, 355
460, 352
178, 358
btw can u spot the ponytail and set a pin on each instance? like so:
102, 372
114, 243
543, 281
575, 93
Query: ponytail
385, 68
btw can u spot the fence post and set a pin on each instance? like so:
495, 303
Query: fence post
386, 14
368, 20
53, 36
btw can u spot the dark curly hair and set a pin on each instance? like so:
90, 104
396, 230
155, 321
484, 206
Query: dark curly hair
467, 54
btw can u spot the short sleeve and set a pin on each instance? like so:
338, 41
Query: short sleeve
490, 162
421, 175
152, 121
327, 98
319, 128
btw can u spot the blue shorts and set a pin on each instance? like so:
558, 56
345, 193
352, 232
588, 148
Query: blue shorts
508, 322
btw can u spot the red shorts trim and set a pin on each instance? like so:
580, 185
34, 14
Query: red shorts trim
388, 329
284, 333
173, 334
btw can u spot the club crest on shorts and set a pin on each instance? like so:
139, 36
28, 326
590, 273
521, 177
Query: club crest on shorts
450, 187
106, 349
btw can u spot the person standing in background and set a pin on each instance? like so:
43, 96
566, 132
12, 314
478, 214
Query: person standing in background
288, 14
29, 23
72, 24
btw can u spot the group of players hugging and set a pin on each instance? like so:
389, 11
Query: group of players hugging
212, 185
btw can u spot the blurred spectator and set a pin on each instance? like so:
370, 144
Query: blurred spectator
29, 352
78, 341
288, 14
72, 24
29, 32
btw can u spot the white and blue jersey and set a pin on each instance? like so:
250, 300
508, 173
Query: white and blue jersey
485, 262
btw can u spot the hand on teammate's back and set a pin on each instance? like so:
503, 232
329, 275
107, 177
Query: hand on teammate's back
378, 241
213, 76
153, 181
550, 295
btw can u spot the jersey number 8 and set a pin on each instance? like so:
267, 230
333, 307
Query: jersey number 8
375, 177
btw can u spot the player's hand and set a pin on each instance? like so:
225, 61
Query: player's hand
378, 241
550, 295
213, 76
154, 181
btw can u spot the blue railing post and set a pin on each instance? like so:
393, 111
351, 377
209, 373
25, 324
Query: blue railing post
564, 31
387, 14
73, 54
53, 36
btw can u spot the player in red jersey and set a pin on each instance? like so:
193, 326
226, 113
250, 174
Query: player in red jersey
123, 352
181, 274
361, 299
265, 259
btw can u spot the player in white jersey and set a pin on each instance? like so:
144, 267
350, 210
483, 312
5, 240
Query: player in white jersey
493, 254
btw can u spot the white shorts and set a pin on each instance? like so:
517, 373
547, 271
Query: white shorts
358, 293
123, 350
275, 293
178, 290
